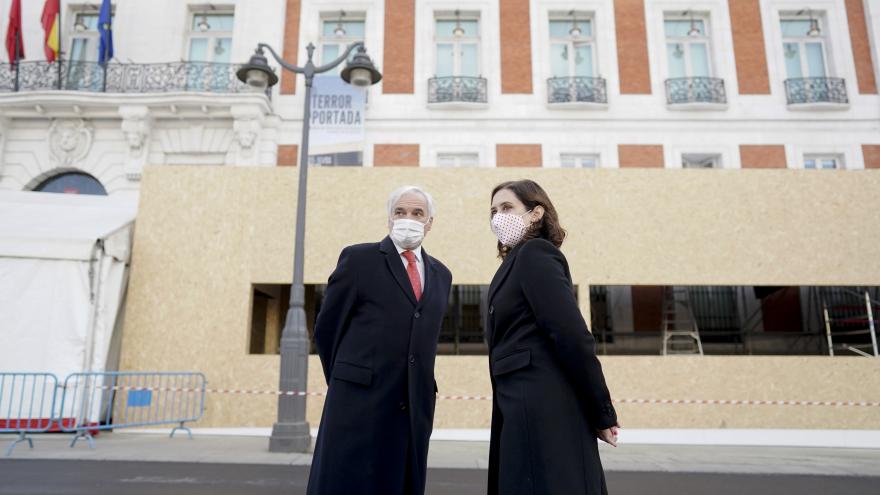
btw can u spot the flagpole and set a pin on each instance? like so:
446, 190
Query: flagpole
104, 66
16, 61
58, 57
105, 28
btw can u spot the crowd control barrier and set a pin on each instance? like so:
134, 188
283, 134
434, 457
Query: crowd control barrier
27, 405
123, 399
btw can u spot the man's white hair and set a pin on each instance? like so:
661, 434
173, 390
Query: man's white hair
400, 191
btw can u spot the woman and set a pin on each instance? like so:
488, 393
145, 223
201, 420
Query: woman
550, 402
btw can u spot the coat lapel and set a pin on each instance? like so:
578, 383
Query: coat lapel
502, 273
392, 259
430, 273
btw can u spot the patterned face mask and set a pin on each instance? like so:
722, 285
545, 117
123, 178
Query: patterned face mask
509, 228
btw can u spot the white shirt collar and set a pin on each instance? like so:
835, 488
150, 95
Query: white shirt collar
417, 251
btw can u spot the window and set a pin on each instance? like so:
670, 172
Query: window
458, 159
823, 161
457, 39
462, 329
733, 320
338, 30
807, 66
210, 37
700, 160
572, 46
268, 314
84, 72
687, 46
84, 40
72, 183
803, 47
579, 160
209, 51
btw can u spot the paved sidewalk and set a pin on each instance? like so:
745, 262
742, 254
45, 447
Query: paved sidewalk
460, 454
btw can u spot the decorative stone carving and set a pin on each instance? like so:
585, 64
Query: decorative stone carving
246, 132
247, 127
69, 141
136, 126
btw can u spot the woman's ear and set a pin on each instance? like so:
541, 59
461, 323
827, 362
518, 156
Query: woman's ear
537, 213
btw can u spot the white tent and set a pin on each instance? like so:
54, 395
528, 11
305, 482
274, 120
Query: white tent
63, 274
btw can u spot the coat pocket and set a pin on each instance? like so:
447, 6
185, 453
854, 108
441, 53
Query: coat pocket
512, 362
352, 373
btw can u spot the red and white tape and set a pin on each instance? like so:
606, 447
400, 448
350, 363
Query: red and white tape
712, 402
735, 402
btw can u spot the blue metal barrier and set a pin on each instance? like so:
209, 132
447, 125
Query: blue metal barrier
27, 405
109, 400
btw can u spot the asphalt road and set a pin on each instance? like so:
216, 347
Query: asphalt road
19, 477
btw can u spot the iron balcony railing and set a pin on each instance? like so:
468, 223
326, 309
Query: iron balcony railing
457, 89
680, 90
578, 89
121, 78
816, 90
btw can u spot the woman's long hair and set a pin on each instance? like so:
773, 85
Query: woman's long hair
532, 195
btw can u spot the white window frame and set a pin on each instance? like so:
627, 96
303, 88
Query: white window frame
572, 42
687, 41
74, 35
716, 160
579, 159
457, 41
341, 42
802, 40
838, 158
191, 34
458, 157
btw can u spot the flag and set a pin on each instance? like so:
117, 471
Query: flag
14, 41
105, 29
49, 19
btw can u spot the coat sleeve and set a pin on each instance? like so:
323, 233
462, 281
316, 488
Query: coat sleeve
548, 290
332, 321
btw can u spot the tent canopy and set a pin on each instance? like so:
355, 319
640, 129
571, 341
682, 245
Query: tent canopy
62, 226
63, 273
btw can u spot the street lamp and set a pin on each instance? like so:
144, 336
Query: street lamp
291, 431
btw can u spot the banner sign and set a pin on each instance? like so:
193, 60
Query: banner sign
337, 122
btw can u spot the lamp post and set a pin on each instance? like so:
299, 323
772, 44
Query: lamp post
290, 433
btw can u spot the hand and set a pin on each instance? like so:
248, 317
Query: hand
609, 436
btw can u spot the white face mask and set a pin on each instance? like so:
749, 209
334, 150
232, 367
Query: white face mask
509, 228
407, 233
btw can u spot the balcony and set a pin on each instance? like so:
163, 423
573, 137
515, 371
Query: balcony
456, 89
121, 78
706, 92
576, 90
820, 91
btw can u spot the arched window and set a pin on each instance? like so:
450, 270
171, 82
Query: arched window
72, 183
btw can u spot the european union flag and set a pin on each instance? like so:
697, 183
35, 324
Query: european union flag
105, 29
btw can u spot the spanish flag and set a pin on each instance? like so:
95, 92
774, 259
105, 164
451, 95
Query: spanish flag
50, 26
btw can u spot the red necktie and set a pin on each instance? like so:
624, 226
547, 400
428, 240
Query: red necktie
412, 270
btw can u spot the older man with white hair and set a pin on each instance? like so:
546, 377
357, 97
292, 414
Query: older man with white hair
376, 334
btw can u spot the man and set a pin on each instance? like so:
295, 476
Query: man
376, 334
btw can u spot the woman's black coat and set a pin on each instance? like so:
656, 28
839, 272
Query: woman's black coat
549, 393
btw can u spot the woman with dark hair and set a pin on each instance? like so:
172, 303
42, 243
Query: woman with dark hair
550, 401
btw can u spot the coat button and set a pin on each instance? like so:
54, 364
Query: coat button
491, 309
402, 406
412, 360
417, 314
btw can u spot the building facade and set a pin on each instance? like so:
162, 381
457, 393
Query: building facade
610, 83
